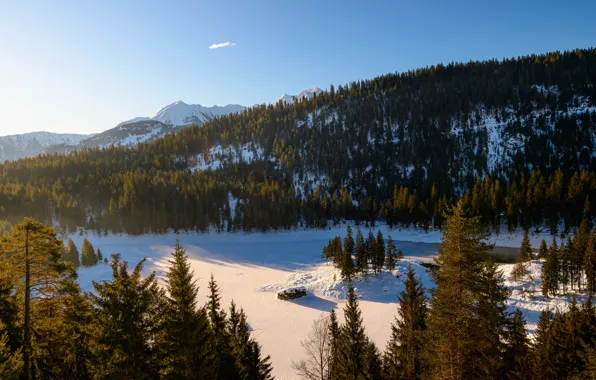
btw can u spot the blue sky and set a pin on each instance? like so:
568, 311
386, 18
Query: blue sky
84, 66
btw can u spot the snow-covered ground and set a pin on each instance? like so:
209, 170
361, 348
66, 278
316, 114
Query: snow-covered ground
250, 268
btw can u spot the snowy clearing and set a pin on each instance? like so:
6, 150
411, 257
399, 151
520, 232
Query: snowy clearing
251, 268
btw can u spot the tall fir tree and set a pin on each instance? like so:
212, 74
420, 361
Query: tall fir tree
380, 252
33, 254
11, 362
516, 360
334, 340
246, 352
129, 312
72, 253
221, 361
550, 271
391, 254
542, 347
352, 345
468, 321
361, 253
403, 356
88, 256
525, 251
80, 329
590, 265
184, 338
543, 250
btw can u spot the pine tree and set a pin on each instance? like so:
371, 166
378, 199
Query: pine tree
185, 336
403, 356
347, 265
245, 351
99, 255
542, 347
32, 254
72, 253
349, 242
129, 308
525, 251
11, 363
400, 255
550, 271
9, 312
590, 265
221, 361
80, 328
380, 252
520, 270
370, 247
373, 366
516, 357
352, 343
543, 251
565, 264
361, 254
391, 254
334, 341
89, 258
468, 319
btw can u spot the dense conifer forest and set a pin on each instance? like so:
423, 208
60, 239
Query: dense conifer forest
130, 327
514, 139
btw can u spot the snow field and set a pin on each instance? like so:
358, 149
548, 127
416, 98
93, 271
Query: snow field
250, 268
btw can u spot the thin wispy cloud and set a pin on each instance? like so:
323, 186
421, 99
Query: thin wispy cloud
222, 45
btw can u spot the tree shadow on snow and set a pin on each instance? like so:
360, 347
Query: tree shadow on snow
315, 302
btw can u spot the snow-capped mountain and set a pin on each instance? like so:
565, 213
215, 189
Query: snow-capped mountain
31, 144
308, 93
180, 113
129, 134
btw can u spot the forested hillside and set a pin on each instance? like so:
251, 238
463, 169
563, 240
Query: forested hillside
515, 138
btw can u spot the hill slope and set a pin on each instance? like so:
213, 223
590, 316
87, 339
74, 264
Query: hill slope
517, 135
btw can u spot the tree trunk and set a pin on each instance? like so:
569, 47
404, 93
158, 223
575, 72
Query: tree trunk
27, 337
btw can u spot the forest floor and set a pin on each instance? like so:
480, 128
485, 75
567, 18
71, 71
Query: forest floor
250, 268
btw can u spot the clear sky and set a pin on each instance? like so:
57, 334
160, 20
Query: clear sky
84, 66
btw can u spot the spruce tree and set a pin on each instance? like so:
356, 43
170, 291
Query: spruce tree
334, 340
543, 250
352, 345
11, 362
184, 340
347, 265
99, 255
520, 270
370, 247
221, 361
550, 271
516, 361
89, 258
400, 255
403, 356
361, 253
468, 320
380, 251
246, 352
129, 310
349, 242
9, 312
72, 253
525, 251
391, 254
80, 329
32, 254
543, 346
590, 265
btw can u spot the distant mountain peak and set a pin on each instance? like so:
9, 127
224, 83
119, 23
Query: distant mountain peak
308, 93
